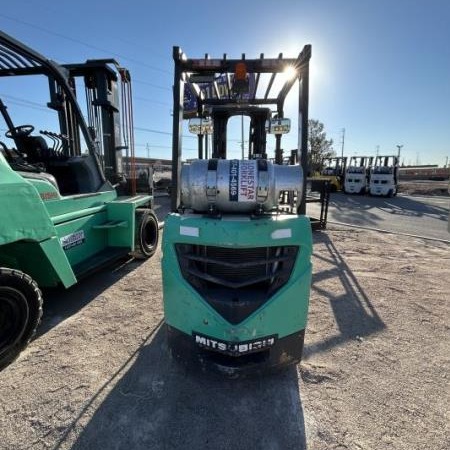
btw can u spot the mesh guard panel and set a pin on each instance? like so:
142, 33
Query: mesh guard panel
236, 281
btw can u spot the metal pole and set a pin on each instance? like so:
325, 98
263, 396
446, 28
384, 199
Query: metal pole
303, 129
178, 91
278, 152
399, 148
343, 140
200, 146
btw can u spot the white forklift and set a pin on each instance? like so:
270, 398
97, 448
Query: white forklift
384, 176
357, 175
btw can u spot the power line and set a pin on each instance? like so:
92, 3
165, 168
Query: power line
163, 146
167, 133
18, 99
149, 130
115, 37
152, 85
24, 105
77, 41
151, 101
31, 103
134, 44
34, 105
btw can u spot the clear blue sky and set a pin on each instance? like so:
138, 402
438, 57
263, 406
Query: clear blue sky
380, 69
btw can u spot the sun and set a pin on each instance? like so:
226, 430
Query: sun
289, 73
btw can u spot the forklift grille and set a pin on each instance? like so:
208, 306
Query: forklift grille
236, 281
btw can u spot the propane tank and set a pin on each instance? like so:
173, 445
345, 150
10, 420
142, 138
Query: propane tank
236, 186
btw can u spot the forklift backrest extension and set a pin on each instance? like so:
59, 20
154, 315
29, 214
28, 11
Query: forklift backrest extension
188, 72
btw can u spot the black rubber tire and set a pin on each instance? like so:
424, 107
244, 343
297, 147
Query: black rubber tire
146, 234
20, 313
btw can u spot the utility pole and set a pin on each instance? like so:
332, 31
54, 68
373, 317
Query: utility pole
399, 148
378, 149
343, 140
147, 147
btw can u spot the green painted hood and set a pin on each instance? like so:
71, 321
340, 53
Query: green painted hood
22, 212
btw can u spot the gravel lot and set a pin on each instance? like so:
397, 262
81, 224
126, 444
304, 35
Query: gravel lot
374, 376
425, 187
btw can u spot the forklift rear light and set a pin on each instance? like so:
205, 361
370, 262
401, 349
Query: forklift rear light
240, 71
240, 83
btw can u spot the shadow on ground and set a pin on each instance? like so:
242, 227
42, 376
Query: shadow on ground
152, 402
354, 314
371, 211
157, 404
60, 304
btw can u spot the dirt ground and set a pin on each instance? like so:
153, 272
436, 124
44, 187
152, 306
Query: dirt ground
375, 373
424, 187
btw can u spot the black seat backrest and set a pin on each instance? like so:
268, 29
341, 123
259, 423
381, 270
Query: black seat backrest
86, 173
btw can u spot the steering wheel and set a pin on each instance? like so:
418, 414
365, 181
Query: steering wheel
22, 130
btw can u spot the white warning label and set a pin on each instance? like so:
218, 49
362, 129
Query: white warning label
247, 181
72, 240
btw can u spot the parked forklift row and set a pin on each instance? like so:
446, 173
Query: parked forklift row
371, 175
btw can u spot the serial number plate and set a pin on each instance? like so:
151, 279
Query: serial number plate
234, 348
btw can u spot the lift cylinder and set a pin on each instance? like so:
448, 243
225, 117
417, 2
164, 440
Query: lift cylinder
236, 186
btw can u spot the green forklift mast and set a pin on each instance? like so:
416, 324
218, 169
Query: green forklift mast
237, 246
66, 206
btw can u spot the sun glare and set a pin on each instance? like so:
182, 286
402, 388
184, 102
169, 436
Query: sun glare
289, 73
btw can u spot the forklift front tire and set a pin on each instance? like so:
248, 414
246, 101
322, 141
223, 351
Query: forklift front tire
20, 313
146, 234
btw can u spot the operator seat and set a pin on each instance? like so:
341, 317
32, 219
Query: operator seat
35, 147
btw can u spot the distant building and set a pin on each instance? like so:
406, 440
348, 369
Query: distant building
143, 164
425, 172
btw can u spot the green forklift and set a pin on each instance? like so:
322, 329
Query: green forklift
237, 245
67, 204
